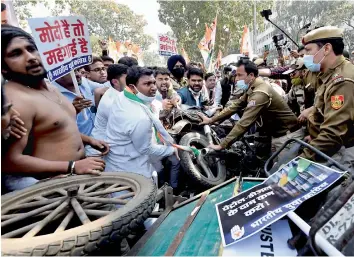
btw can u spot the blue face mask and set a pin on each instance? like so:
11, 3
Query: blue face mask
242, 85
308, 62
144, 98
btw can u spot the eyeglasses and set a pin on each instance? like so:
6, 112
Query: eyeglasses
99, 69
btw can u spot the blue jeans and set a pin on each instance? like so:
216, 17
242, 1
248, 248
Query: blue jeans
174, 171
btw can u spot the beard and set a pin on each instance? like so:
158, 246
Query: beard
26, 79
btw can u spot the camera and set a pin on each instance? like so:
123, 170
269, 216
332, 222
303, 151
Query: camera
277, 38
266, 13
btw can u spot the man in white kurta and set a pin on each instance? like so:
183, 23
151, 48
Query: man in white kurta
130, 129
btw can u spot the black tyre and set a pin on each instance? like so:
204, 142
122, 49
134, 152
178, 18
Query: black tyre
99, 223
216, 172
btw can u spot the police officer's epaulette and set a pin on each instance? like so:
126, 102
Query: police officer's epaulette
336, 79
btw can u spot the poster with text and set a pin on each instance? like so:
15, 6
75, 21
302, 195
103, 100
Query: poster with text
63, 43
251, 211
167, 45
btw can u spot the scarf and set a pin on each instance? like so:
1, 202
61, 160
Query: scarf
160, 132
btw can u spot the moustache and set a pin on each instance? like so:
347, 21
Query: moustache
33, 66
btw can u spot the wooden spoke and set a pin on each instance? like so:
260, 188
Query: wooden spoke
101, 200
94, 186
25, 229
97, 213
10, 216
31, 213
113, 186
46, 220
81, 188
65, 222
79, 211
62, 191
108, 191
127, 195
34, 204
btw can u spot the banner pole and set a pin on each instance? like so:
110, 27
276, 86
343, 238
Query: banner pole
76, 85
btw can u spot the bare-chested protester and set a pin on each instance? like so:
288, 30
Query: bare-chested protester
53, 144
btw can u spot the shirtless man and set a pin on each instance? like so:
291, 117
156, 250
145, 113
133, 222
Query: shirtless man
53, 144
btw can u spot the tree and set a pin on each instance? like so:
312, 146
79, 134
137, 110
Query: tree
293, 15
106, 19
343, 16
153, 59
187, 20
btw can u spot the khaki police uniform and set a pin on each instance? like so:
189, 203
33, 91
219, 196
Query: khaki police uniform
331, 124
297, 92
263, 105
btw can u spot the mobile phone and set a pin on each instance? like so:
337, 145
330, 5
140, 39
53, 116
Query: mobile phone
266, 47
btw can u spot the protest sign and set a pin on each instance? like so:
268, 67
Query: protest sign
63, 43
250, 211
167, 45
270, 241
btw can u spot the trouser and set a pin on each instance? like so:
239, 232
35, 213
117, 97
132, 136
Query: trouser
174, 165
16, 182
278, 142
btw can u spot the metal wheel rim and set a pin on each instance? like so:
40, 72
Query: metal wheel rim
197, 162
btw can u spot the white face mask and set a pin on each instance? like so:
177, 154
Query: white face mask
144, 98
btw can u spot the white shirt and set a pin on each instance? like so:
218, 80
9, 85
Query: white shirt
129, 134
103, 111
218, 94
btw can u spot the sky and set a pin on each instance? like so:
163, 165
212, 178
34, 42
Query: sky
147, 8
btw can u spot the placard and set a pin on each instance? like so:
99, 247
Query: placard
167, 45
63, 43
251, 211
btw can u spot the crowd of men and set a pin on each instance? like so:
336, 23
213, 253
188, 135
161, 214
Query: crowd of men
115, 124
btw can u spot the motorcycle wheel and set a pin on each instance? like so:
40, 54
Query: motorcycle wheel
75, 215
213, 173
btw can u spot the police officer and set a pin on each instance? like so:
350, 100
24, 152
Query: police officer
331, 119
262, 105
296, 95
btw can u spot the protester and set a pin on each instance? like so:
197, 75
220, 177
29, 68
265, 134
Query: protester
107, 61
11, 124
128, 61
96, 71
218, 75
168, 98
296, 95
192, 94
131, 137
53, 144
83, 72
262, 105
83, 103
210, 84
213, 94
225, 86
177, 66
330, 122
299, 53
117, 74
165, 90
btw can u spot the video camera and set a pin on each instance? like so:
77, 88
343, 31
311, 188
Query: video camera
266, 13
277, 38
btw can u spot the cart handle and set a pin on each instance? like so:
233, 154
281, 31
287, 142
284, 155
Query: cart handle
331, 162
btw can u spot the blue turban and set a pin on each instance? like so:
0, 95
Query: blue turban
173, 60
